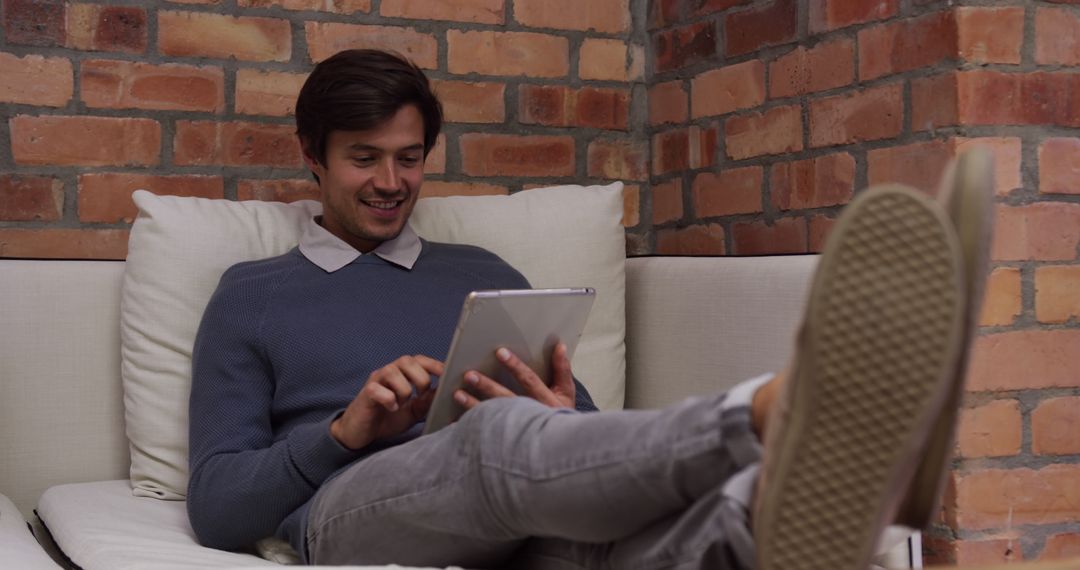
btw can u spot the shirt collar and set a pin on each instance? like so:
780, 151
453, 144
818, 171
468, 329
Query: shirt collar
331, 253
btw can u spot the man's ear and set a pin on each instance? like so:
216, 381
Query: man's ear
310, 161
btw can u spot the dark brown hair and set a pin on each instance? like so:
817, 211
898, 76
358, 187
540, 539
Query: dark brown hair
359, 89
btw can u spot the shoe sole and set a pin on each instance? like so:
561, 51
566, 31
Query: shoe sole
880, 337
967, 196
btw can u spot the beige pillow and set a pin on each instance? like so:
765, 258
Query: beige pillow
179, 247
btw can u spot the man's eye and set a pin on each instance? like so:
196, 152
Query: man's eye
409, 160
363, 159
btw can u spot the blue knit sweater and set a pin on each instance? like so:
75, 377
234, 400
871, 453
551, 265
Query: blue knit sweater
282, 349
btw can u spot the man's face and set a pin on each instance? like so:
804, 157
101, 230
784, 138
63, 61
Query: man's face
371, 179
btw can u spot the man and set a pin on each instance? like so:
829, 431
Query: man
312, 374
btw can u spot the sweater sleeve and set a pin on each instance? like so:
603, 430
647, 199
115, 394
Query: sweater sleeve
244, 481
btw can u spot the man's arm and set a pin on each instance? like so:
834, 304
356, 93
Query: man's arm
243, 482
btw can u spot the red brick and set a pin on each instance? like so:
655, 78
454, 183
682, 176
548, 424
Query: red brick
1061, 546
990, 35
934, 102
335, 6
610, 60
786, 235
918, 164
1006, 153
667, 202
34, 22
631, 206
995, 98
721, 91
236, 143
271, 93
826, 15
668, 103
685, 46
827, 65
1029, 359
991, 430
106, 197
1042, 231
813, 183
604, 16
507, 155
751, 30
30, 198
36, 80
1003, 298
507, 53
1000, 548
64, 243
107, 28
203, 34
1059, 166
907, 44
561, 106
471, 102
1057, 293
872, 114
287, 190
683, 149
663, 13
438, 188
732, 191
623, 159
85, 141
325, 39
820, 227
169, 87
982, 552
471, 11
1056, 30
1013, 497
705, 239
776, 131
435, 163
1055, 427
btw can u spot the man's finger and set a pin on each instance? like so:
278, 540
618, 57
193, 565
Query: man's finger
416, 374
393, 378
433, 366
383, 396
521, 371
465, 399
483, 386
563, 377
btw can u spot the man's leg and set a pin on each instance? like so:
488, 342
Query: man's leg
511, 469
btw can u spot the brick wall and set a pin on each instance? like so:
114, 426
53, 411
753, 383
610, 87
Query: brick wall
765, 117
194, 97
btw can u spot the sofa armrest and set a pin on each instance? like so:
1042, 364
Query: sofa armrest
698, 325
18, 548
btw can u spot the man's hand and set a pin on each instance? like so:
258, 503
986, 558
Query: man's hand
385, 405
559, 395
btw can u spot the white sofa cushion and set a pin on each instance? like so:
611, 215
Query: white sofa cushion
179, 247
102, 526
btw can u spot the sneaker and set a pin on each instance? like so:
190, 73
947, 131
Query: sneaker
967, 194
873, 363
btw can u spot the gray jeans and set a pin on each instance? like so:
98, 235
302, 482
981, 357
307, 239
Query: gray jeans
518, 484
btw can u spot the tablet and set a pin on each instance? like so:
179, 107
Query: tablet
529, 322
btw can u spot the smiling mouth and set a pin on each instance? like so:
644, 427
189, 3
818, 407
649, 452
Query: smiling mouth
382, 204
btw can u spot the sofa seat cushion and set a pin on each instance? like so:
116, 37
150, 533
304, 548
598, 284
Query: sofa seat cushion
101, 525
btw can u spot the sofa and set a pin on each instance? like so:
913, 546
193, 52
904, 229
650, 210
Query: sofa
76, 487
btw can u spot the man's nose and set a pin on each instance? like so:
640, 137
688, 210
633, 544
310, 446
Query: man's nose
386, 176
